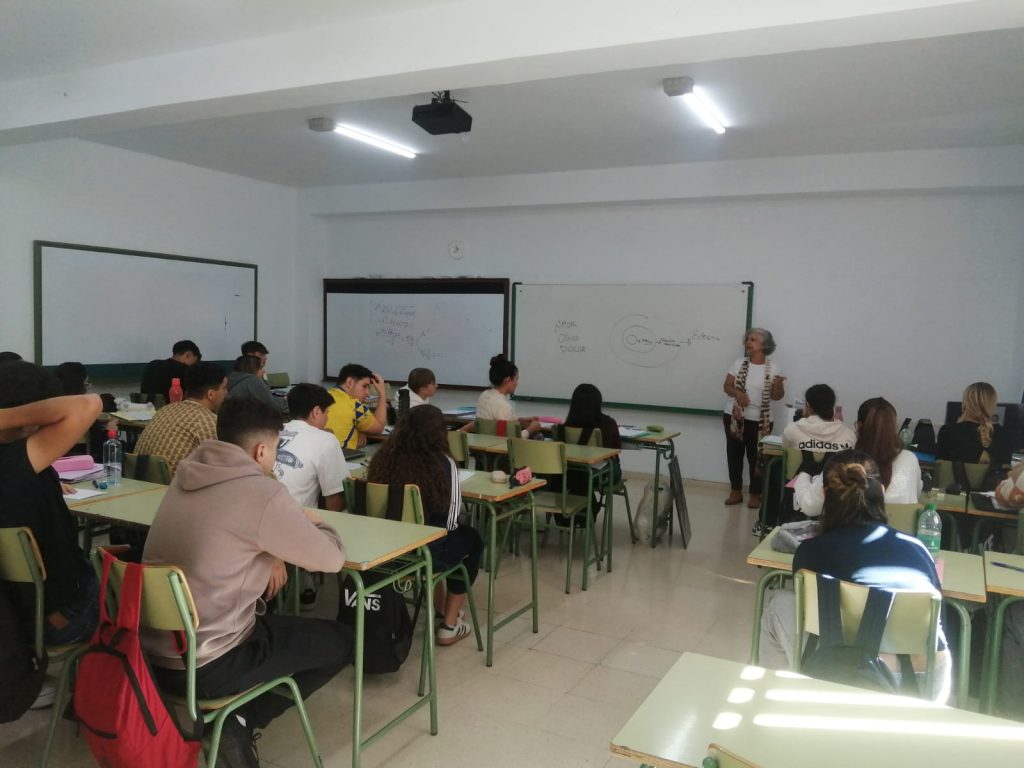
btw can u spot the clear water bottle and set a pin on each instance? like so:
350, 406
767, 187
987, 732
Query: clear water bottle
113, 457
929, 529
175, 393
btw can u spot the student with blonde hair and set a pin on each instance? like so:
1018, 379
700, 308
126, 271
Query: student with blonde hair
974, 438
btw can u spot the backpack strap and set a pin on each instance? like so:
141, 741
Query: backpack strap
129, 604
396, 500
141, 466
502, 428
359, 500
830, 620
872, 623
960, 475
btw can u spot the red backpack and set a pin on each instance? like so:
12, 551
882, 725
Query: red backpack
127, 724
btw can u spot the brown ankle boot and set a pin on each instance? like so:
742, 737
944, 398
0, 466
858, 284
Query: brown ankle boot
735, 497
754, 502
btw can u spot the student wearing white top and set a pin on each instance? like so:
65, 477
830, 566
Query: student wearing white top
752, 383
309, 460
878, 437
818, 430
421, 386
494, 402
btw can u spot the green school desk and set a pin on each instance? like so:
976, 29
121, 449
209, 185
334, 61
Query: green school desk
127, 488
500, 503
664, 447
779, 719
1006, 587
963, 587
597, 461
369, 542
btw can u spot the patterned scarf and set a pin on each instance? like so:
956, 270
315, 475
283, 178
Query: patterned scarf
765, 414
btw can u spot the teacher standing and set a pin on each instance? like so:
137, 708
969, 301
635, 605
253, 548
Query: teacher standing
752, 383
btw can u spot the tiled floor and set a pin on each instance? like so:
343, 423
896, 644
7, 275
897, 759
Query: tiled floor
555, 698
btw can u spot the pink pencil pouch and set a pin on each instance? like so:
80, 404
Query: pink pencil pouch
73, 463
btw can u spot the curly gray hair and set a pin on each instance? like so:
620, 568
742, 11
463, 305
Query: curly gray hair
767, 340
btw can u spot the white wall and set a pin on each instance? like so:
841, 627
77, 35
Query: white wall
909, 295
79, 192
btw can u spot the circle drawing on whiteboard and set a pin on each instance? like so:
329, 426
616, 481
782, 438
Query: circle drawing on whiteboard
644, 340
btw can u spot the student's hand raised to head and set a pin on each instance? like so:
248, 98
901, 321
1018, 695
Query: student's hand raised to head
378, 384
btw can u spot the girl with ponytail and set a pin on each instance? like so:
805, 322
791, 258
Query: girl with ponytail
974, 438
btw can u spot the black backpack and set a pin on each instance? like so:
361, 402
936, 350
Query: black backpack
828, 657
21, 672
388, 626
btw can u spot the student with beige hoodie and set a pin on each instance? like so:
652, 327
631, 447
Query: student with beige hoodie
230, 527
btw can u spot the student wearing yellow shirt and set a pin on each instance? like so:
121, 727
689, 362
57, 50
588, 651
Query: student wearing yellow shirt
350, 418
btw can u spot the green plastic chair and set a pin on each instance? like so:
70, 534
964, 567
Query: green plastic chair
548, 458
278, 380
912, 627
149, 468
498, 427
903, 517
21, 563
943, 475
167, 605
458, 447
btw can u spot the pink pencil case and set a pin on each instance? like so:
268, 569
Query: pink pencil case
549, 420
73, 463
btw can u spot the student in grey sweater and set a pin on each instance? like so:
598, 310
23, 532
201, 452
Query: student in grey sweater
246, 380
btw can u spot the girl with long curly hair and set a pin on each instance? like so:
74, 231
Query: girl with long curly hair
417, 453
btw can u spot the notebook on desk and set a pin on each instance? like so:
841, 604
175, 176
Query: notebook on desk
351, 454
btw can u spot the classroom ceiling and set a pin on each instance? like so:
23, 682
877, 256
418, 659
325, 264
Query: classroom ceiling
964, 90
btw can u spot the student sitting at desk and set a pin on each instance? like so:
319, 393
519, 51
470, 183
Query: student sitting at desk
974, 438
421, 386
494, 402
818, 430
417, 454
37, 426
246, 380
256, 349
178, 428
878, 437
350, 418
309, 461
156, 377
856, 545
585, 412
230, 526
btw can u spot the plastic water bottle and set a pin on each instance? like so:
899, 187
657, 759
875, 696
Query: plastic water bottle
175, 393
112, 459
929, 529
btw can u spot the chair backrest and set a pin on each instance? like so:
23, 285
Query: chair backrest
541, 456
158, 400
723, 758
794, 458
377, 500
150, 468
458, 447
278, 380
903, 517
20, 562
495, 427
574, 435
943, 474
912, 627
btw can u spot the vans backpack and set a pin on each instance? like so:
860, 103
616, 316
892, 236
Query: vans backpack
126, 723
21, 673
388, 625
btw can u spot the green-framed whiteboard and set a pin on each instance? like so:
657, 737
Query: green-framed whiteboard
665, 347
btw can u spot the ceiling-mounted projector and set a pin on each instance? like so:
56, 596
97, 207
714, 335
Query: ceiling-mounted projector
442, 115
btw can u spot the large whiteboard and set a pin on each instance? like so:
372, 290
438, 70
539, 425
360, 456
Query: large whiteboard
110, 306
666, 346
451, 326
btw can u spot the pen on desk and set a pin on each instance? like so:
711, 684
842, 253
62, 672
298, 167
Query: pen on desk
1007, 565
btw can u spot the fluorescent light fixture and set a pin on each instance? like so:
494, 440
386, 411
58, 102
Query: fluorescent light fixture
323, 125
697, 100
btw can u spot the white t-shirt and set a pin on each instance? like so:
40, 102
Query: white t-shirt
309, 462
904, 486
754, 386
494, 405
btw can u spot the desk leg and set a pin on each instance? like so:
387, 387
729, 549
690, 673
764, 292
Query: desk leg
762, 587
492, 554
357, 664
492, 566
431, 649
963, 672
657, 506
993, 650
609, 506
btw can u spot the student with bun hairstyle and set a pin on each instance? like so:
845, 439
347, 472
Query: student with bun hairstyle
974, 438
857, 545
878, 437
494, 402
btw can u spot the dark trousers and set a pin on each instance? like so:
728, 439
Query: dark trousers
312, 651
735, 450
461, 545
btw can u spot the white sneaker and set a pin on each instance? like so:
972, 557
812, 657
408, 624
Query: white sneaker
46, 697
450, 635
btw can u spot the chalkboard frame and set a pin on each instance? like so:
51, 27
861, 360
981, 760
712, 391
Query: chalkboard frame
419, 285
635, 406
122, 372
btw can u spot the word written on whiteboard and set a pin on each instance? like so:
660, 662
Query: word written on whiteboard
649, 341
395, 325
568, 337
